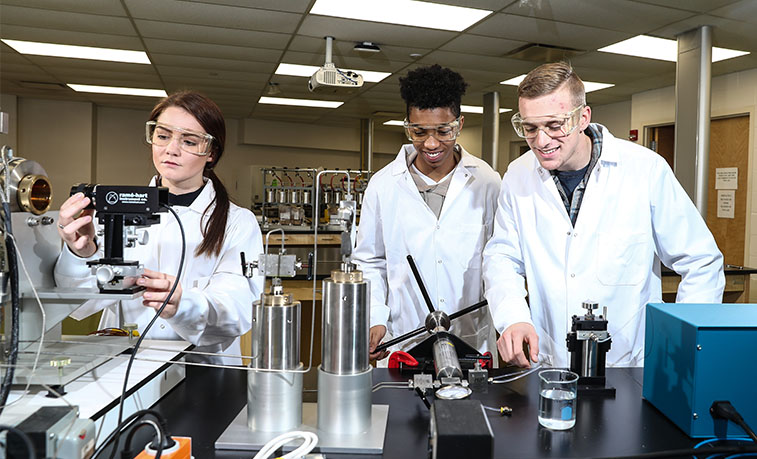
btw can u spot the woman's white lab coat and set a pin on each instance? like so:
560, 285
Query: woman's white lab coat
395, 222
634, 214
216, 300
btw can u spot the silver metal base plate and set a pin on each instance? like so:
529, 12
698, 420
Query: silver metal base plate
239, 437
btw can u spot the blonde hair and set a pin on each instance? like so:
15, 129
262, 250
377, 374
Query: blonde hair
548, 78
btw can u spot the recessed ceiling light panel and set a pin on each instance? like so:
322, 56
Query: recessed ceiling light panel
78, 52
662, 49
301, 102
403, 12
479, 109
118, 90
589, 86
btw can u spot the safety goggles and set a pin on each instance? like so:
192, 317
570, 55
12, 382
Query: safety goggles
441, 132
196, 143
555, 126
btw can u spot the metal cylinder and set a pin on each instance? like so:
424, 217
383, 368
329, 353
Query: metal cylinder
344, 340
270, 195
282, 196
276, 333
274, 400
588, 358
445, 359
294, 196
344, 402
30, 189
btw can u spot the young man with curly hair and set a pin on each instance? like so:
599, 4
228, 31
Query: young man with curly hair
436, 202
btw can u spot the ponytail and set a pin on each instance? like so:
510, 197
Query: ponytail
213, 233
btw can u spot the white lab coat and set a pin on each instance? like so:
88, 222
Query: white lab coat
634, 213
216, 300
395, 222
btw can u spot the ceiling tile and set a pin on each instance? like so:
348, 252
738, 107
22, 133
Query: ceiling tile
547, 32
69, 37
700, 6
390, 34
62, 20
479, 45
231, 17
292, 6
340, 48
726, 33
241, 53
226, 77
212, 63
193, 33
105, 7
618, 15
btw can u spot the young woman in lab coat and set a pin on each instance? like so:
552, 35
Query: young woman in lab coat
211, 306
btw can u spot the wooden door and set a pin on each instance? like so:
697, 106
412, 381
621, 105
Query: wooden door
729, 147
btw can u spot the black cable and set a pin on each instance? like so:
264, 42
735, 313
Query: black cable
10, 249
723, 409
127, 453
32, 453
136, 415
155, 317
690, 452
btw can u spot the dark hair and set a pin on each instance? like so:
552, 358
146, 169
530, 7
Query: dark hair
210, 117
548, 78
433, 87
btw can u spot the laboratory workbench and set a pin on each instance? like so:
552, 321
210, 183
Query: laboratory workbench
736, 284
209, 399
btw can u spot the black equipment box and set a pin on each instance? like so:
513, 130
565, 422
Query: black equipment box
460, 428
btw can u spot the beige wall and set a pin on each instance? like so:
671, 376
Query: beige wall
59, 136
123, 155
8, 105
616, 117
78, 142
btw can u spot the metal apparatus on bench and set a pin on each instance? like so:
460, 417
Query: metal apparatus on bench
447, 354
274, 382
344, 419
122, 210
37, 242
588, 343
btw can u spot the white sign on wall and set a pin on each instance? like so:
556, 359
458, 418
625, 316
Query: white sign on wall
726, 203
726, 178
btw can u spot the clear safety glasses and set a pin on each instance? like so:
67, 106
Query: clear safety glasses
441, 132
555, 126
196, 143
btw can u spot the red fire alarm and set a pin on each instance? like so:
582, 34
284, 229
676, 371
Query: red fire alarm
633, 135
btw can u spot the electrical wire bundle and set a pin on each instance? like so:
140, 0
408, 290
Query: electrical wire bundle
10, 249
116, 433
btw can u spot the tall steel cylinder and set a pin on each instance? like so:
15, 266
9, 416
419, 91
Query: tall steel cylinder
344, 377
274, 383
344, 341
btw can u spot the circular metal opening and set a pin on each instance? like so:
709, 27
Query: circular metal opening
35, 194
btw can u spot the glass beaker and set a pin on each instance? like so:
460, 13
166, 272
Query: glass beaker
557, 399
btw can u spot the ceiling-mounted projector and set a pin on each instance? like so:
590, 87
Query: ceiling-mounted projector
329, 79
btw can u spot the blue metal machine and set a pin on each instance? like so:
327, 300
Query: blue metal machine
696, 354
